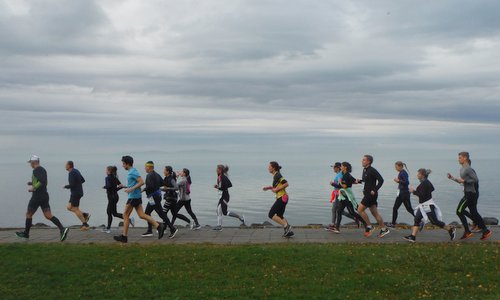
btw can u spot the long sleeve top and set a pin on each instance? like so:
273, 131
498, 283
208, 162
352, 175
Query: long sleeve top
76, 181
372, 179
424, 191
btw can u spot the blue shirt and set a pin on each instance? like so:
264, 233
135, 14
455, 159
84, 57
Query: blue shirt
132, 179
339, 176
403, 181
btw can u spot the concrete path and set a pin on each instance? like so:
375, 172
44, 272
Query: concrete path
238, 236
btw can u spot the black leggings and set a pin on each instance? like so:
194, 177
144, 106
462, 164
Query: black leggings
111, 210
187, 205
470, 201
347, 204
432, 217
403, 198
157, 207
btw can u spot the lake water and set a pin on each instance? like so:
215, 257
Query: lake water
309, 190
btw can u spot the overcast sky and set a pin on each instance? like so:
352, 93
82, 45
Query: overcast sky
119, 76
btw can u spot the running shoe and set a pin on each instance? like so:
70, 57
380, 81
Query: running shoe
217, 228
288, 228
196, 227
421, 226
131, 221
391, 225
289, 234
106, 230
64, 234
120, 238
410, 238
329, 227
172, 234
87, 217
242, 219
336, 230
486, 235
453, 233
147, 234
22, 234
383, 233
475, 229
369, 231
84, 227
466, 235
161, 230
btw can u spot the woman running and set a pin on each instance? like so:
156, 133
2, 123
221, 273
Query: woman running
427, 210
403, 196
279, 188
170, 188
223, 185
346, 197
111, 186
184, 186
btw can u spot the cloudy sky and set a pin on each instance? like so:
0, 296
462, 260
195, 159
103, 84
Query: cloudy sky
304, 77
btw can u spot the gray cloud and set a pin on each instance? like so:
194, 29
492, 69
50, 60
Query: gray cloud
229, 68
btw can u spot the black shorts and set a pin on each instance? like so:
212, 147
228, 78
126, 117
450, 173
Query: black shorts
36, 202
75, 200
369, 200
277, 209
135, 202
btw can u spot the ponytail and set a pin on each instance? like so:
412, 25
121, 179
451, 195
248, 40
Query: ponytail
425, 172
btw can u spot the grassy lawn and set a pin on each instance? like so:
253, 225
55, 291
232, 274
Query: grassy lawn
452, 271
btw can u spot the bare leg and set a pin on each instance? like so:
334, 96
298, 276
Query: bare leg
282, 221
378, 217
126, 218
362, 213
77, 212
140, 212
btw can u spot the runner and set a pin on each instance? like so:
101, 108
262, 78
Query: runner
373, 182
346, 197
75, 185
223, 185
39, 198
184, 185
153, 184
427, 210
279, 188
111, 186
334, 198
470, 181
134, 183
403, 196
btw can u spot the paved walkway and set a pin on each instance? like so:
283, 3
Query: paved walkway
238, 236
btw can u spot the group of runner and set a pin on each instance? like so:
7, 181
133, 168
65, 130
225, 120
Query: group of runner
176, 189
426, 211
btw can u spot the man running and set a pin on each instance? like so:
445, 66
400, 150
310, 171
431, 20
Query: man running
373, 182
133, 189
470, 181
39, 198
75, 185
154, 182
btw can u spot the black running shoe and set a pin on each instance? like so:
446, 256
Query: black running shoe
22, 234
64, 234
289, 234
410, 238
121, 238
161, 230
173, 233
147, 234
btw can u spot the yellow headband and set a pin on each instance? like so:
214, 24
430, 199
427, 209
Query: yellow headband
150, 165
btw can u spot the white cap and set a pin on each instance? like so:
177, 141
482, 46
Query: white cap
34, 158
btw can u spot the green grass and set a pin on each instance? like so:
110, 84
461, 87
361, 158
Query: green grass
340, 271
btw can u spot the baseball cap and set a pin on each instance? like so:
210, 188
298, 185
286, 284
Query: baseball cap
34, 158
336, 165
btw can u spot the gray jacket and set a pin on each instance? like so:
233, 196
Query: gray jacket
470, 178
182, 184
